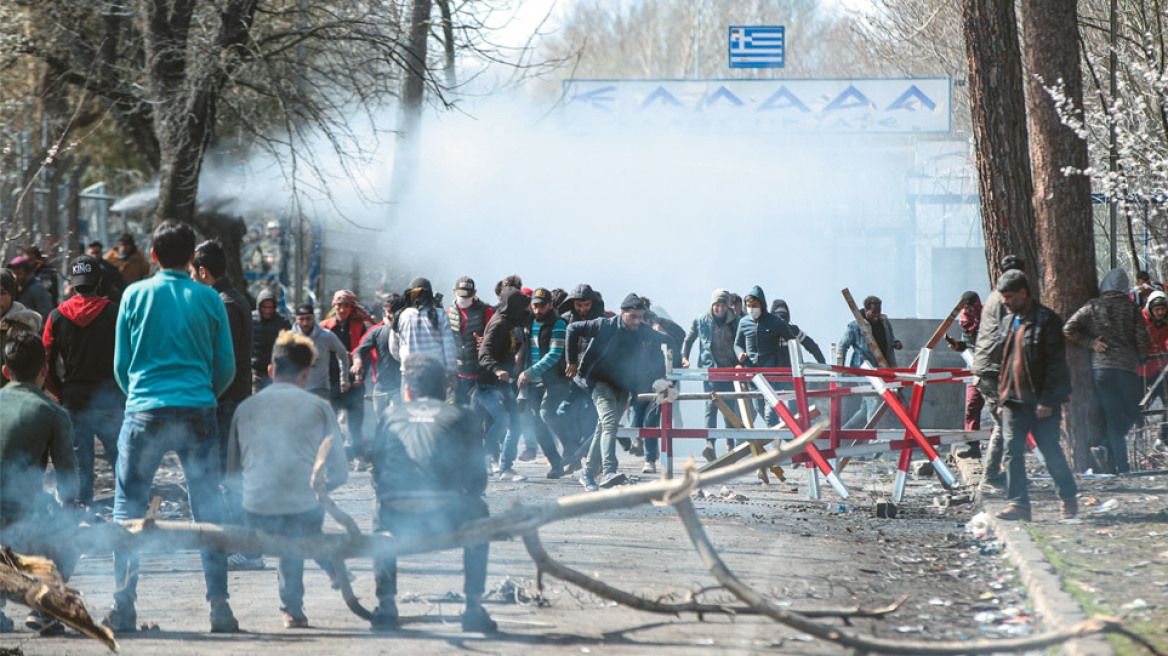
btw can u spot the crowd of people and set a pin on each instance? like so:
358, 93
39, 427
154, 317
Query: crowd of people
179, 361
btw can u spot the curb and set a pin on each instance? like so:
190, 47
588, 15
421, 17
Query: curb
1057, 608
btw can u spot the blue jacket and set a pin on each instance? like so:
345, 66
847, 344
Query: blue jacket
763, 340
861, 352
603, 333
702, 331
173, 345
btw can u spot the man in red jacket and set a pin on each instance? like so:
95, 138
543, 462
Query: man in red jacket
79, 337
349, 323
1156, 316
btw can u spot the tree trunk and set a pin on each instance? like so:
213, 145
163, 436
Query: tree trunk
405, 158
448, 43
73, 208
998, 105
1062, 202
229, 230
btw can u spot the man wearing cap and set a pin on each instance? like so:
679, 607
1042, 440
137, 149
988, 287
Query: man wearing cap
349, 323
31, 293
620, 349
714, 334
468, 317
987, 364
422, 327
1035, 381
543, 380
130, 261
112, 282
15, 318
79, 340
327, 346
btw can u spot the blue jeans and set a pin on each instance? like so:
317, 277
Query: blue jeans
863, 413
1119, 394
1018, 420
647, 414
545, 424
498, 401
94, 410
193, 434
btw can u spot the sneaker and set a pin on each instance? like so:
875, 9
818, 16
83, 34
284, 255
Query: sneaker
492, 465
121, 619
222, 619
649, 468
384, 619
710, 453
527, 456
573, 467
1014, 513
46, 627
476, 620
1102, 458
509, 474
589, 483
295, 620
613, 478
238, 562
1068, 508
556, 472
637, 448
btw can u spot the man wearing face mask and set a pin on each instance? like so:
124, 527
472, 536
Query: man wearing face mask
761, 342
620, 349
468, 317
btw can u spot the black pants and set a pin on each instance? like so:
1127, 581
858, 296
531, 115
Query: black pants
1119, 394
439, 521
542, 403
351, 404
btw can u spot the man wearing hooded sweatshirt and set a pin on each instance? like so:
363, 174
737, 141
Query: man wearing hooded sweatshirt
79, 341
267, 324
497, 372
1114, 328
577, 412
15, 318
761, 341
714, 333
619, 350
328, 346
1156, 318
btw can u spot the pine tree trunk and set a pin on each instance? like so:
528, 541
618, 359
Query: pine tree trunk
998, 106
1062, 202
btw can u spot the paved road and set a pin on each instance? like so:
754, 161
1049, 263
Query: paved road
799, 552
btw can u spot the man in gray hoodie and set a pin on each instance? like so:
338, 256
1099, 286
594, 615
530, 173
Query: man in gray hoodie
327, 345
1113, 327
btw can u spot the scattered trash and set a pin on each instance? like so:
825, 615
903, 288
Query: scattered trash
937, 601
1135, 604
978, 524
1142, 563
909, 629
1107, 506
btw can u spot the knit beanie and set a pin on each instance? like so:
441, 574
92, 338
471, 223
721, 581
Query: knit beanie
632, 302
720, 296
8, 282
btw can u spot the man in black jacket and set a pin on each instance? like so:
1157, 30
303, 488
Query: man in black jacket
497, 372
79, 340
429, 477
1034, 382
209, 267
266, 325
620, 350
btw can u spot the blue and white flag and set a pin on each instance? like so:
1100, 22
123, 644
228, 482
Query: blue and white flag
757, 46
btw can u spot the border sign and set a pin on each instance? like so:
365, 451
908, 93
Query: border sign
757, 46
865, 106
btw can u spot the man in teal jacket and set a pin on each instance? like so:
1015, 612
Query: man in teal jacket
173, 357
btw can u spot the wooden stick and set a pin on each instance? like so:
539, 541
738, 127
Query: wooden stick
35, 582
340, 570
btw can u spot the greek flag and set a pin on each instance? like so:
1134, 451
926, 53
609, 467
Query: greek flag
757, 46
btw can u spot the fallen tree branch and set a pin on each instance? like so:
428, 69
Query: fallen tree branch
799, 621
340, 571
136, 535
35, 582
544, 563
